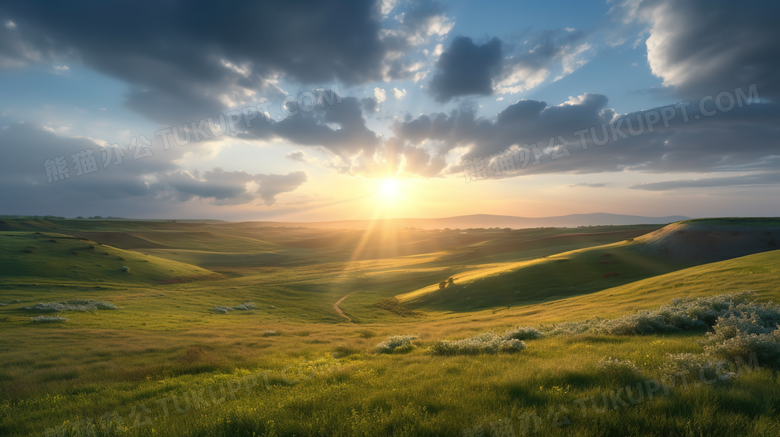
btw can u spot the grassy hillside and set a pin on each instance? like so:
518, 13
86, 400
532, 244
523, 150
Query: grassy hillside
167, 341
57, 258
592, 269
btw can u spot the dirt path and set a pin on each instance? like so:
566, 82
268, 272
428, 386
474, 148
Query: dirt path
338, 310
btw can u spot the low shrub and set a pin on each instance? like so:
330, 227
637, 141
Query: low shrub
679, 314
766, 346
701, 366
525, 333
485, 343
396, 344
246, 306
71, 305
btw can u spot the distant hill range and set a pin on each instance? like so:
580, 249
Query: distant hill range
486, 221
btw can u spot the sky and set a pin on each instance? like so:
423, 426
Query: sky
356, 109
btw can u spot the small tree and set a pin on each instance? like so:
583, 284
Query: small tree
442, 284
450, 282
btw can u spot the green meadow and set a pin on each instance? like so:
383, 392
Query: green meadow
619, 345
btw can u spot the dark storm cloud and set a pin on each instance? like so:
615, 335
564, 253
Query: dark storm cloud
340, 129
524, 121
742, 139
229, 188
185, 60
466, 69
702, 47
139, 186
369, 104
217, 183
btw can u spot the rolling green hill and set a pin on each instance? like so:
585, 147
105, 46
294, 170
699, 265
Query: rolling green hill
51, 257
674, 247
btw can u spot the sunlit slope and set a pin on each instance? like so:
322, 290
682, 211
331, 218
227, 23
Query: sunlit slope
758, 272
187, 240
207, 259
572, 273
54, 257
530, 244
564, 275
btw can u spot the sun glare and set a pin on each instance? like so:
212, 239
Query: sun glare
390, 187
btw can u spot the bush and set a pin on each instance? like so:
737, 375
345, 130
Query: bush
71, 305
243, 307
396, 344
525, 333
488, 343
742, 344
679, 314
699, 366
45, 319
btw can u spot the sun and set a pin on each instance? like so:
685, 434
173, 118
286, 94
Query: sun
389, 187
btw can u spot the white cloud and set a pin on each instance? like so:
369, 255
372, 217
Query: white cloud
61, 69
99, 142
61, 129
244, 70
380, 95
521, 77
10, 24
386, 6
435, 26
420, 75
499, 99
439, 25
638, 41
399, 94
439, 49
617, 42
572, 61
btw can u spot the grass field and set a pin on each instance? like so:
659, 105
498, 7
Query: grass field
165, 363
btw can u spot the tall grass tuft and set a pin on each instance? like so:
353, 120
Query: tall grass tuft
618, 367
